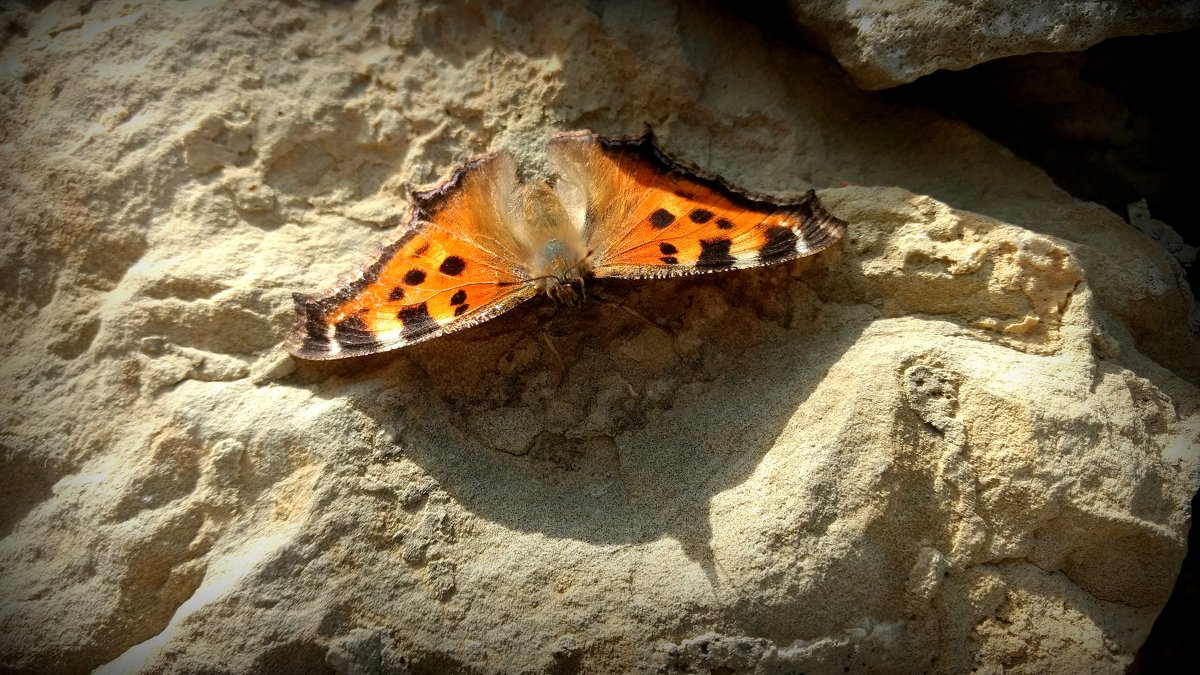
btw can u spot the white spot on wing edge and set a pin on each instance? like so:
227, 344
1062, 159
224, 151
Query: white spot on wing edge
389, 336
802, 246
746, 259
334, 346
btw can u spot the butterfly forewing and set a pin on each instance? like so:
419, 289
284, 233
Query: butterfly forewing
648, 215
454, 268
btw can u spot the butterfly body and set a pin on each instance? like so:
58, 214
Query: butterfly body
481, 243
558, 257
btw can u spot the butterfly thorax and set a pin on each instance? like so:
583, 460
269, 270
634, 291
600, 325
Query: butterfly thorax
558, 257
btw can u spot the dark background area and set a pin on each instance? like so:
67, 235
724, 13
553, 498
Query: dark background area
1113, 124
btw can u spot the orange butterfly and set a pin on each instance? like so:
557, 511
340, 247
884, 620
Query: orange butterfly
481, 243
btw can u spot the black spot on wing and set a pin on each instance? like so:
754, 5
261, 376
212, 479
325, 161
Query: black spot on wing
414, 277
396, 294
421, 251
417, 321
780, 246
685, 194
452, 266
667, 249
458, 311
724, 224
352, 333
459, 297
669, 260
349, 326
714, 254
701, 216
661, 218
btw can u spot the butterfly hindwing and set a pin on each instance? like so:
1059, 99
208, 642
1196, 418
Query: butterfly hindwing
647, 215
454, 267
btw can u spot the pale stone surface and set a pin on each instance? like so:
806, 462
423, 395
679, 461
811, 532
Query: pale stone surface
956, 441
883, 43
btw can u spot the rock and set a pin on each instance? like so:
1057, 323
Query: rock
1164, 234
248, 192
882, 44
966, 437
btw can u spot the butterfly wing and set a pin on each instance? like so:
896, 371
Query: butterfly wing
644, 214
456, 265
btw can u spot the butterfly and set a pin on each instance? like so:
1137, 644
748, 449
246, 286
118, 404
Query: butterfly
481, 242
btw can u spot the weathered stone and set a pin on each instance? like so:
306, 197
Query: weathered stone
967, 437
883, 43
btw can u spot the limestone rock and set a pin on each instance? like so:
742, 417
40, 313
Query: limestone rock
967, 437
883, 43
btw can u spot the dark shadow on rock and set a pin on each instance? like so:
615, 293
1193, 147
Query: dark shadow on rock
625, 429
26, 484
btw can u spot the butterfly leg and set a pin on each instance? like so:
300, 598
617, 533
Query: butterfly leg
570, 292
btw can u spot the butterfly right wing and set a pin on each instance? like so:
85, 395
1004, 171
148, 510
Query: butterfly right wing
456, 266
645, 214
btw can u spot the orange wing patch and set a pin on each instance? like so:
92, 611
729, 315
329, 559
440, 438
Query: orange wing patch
436, 279
655, 216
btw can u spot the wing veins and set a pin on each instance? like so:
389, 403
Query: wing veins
645, 194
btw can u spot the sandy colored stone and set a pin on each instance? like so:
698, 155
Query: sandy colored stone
965, 438
884, 43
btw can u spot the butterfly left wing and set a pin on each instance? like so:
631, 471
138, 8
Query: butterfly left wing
644, 214
457, 265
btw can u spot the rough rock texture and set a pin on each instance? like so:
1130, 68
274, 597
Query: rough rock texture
883, 43
966, 438
1107, 125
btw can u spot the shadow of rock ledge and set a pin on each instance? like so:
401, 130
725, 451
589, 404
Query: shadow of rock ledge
601, 425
